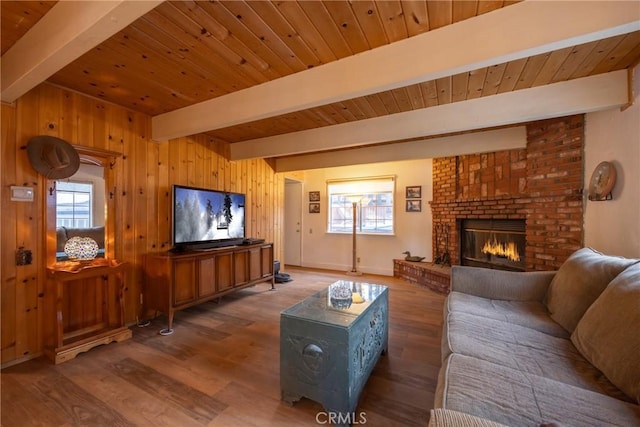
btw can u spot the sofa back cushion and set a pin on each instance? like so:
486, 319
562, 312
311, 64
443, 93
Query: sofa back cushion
96, 233
578, 282
608, 335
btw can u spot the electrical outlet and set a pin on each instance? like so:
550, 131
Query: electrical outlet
358, 259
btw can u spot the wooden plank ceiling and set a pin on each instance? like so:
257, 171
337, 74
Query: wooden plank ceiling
186, 52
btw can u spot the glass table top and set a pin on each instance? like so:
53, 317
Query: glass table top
339, 304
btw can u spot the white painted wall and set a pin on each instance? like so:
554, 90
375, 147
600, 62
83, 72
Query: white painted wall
412, 230
613, 227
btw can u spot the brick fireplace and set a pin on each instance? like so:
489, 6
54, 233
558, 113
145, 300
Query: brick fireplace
540, 184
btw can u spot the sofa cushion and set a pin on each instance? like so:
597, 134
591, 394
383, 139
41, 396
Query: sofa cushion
532, 314
515, 398
578, 282
608, 334
525, 349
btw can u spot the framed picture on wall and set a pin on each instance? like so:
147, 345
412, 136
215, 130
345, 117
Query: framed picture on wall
314, 207
414, 206
314, 196
414, 192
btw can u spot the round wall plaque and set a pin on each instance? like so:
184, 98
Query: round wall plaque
602, 181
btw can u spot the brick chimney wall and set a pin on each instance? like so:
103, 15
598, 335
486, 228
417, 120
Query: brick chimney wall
541, 184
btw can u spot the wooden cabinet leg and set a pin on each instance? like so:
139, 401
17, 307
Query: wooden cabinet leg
169, 329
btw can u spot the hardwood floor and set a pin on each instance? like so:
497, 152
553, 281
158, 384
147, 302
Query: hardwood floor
221, 367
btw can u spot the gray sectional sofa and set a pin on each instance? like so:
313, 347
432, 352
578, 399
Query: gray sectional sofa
533, 348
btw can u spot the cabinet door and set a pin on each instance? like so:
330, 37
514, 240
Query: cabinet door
206, 277
224, 271
83, 303
184, 281
267, 260
241, 267
255, 264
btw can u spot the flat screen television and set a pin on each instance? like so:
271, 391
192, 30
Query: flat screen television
205, 219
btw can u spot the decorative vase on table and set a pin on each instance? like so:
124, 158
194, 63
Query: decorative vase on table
82, 249
340, 295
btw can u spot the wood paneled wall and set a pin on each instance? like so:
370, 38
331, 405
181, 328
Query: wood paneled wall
143, 179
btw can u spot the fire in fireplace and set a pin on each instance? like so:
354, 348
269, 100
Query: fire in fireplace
507, 250
493, 243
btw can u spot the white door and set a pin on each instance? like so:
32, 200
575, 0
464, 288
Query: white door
292, 223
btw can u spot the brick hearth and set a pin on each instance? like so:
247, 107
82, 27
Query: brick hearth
541, 184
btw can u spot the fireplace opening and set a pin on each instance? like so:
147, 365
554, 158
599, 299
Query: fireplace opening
493, 243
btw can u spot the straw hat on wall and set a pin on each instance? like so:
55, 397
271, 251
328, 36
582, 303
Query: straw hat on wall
53, 157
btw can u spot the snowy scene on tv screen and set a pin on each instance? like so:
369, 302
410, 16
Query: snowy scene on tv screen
202, 215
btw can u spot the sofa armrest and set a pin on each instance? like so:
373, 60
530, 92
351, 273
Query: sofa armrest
447, 418
499, 284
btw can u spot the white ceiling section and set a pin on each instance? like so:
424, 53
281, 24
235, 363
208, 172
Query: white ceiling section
500, 36
70, 29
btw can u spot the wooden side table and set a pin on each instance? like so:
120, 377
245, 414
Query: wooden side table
84, 307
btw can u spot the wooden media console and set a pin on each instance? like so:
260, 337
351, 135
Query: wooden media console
178, 281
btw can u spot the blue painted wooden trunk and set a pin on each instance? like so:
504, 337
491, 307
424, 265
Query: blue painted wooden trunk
330, 342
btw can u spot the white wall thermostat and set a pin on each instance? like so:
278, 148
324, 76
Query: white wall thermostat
22, 194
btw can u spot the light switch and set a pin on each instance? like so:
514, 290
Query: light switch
22, 194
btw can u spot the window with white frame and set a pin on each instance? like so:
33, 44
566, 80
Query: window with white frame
374, 205
73, 204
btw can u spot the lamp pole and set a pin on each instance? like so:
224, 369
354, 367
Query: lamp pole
354, 270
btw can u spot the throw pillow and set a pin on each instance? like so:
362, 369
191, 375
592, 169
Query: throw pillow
608, 335
578, 282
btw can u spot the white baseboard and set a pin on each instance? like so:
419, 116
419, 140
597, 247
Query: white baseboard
341, 267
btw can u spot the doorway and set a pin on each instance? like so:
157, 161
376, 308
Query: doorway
293, 222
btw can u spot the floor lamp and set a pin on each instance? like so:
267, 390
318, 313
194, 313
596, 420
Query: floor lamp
354, 268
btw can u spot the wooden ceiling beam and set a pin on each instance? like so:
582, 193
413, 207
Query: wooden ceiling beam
454, 145
594, 93
66, 32
518, 31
